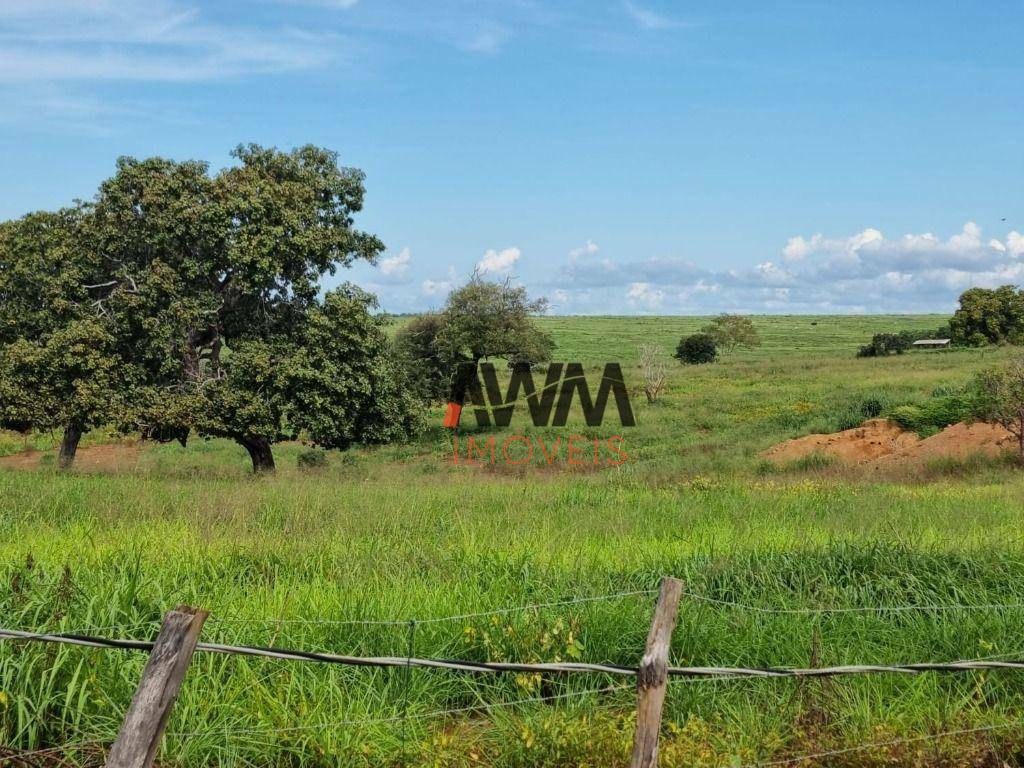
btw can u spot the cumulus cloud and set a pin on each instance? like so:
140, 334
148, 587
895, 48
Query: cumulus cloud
436, 287
1015, 244
866, 271
439, 287
645, 296
395, 268
587, 249
498, 262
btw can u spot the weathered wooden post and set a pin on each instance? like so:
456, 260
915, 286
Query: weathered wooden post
652, 677
146, 719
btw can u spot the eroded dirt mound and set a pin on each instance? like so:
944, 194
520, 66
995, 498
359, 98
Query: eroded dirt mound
95, 458
957, 441
871, 440
880, 443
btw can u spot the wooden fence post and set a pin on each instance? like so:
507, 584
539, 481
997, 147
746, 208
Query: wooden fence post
652, 677
146, 719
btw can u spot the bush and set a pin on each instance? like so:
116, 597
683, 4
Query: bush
883, 344
696, 349
932, 415
312, 459
907, 416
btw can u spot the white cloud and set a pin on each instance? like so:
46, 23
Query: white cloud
395, 268
53, 40
1015, 244
647, 19
862, 272
589, 248
498, 262
439, 287
645, 296
797, 248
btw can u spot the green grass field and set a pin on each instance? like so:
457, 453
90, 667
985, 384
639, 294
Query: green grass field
400, 533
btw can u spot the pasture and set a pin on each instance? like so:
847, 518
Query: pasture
300, 559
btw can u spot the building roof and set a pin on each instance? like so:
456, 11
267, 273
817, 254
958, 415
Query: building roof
931, 342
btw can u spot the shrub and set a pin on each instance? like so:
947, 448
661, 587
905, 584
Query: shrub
696, 349
907, 416
312, 459
883, 344
932, 415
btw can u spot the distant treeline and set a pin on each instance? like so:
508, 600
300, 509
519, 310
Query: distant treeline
985, 316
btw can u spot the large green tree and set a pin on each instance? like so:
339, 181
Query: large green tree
222, 275
989, 316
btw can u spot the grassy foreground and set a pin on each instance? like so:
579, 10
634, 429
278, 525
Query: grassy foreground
400, 534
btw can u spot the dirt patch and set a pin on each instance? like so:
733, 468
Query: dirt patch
957, 441
882, 443
870, 441
115, 457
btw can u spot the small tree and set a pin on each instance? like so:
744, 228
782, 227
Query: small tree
731, 331
487, 319
997, 395
654, 371
697, 348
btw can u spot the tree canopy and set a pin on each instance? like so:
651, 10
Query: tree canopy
201, 293
482, 319
997, 395
490, 319
60, 367
697, 348
731, 331
989, 316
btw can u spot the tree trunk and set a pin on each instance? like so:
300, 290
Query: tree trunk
69, 446
260, 452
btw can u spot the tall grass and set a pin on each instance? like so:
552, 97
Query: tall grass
400, 533
95, 553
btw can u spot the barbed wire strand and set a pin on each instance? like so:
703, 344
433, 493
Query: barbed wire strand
856, 609
436, 619
551, 667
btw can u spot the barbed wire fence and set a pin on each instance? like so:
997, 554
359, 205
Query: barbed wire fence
144, 725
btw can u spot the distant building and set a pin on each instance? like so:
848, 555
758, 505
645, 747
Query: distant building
931, 343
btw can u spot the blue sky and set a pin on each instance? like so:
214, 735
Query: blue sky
617, 156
